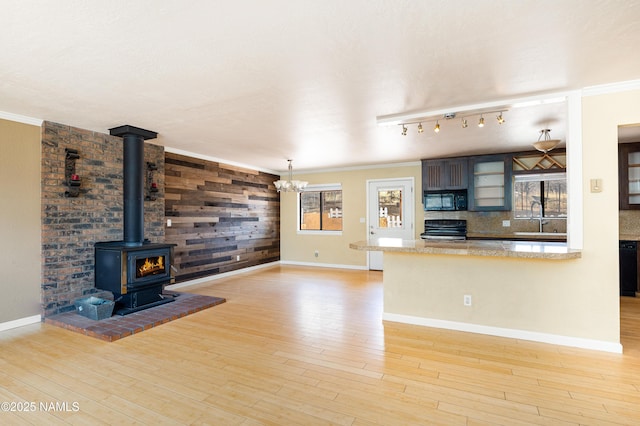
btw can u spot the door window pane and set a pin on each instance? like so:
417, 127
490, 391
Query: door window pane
390, 208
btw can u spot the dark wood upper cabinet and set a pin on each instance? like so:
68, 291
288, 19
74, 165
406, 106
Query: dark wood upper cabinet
442, 174
629, 176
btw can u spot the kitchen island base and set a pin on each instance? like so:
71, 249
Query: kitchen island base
526, 295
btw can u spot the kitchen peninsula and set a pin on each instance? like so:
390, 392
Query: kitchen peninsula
492, 248
515, 289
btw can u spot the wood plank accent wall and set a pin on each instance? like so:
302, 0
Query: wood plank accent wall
219, 212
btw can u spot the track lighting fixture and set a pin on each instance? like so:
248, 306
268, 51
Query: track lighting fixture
450, 116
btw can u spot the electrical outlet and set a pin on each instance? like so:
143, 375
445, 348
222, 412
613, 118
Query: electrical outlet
506, 223
467, 300
316, 253
238, 257
168, 223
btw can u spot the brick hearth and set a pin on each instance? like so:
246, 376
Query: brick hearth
117, 327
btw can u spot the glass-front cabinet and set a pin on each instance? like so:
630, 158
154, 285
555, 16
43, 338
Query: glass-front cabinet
629, 177
490, 183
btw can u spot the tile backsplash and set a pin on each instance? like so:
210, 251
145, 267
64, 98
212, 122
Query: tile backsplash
491, 222
629, 222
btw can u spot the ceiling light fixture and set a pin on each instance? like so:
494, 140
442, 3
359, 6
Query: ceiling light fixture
450, 116
290, 185
545, 143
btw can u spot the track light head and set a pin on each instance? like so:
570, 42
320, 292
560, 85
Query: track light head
404, 130
500, 118
464, 123
420, 129
481, 121
437, 127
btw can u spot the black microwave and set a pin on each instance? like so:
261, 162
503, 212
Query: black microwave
445, 200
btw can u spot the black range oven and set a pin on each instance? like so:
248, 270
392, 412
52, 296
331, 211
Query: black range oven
444, 229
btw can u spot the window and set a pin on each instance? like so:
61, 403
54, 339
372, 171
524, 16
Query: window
320, 208
390, 208
544, 193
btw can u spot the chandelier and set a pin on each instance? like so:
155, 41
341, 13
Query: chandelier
290, 185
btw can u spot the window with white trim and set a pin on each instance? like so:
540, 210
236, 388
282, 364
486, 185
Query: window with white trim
537, 193
320, 208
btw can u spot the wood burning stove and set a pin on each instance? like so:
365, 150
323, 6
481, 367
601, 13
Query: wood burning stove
134, 270
136, 275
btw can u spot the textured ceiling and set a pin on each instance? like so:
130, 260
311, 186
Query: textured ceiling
257, 82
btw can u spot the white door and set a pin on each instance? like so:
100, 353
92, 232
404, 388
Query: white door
390, 213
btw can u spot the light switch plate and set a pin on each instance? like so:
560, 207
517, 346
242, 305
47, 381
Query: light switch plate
596, 185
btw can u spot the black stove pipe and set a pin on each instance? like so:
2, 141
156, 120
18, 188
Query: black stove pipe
133, 175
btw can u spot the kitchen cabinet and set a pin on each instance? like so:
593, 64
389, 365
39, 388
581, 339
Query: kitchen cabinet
629, 176
490, 182
450, 173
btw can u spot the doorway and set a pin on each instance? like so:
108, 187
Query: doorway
629, 229
390, 213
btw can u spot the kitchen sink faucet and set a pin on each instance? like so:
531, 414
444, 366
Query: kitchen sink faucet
540, 218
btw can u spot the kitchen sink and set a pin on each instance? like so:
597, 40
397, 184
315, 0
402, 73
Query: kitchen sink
541, 234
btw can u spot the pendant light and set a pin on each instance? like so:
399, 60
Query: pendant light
545, 143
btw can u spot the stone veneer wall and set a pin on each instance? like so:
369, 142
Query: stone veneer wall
71, 226
224, 217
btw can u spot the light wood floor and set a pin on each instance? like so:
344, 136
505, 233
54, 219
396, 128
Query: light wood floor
307, 346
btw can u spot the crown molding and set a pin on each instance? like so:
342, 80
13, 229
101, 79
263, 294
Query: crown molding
220, 160
21, 118
603, 89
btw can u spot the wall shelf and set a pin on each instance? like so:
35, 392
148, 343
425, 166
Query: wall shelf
71, 178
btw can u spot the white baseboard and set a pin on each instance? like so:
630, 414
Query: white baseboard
324, 265
220, 276
554, 339
20, 322
262, 266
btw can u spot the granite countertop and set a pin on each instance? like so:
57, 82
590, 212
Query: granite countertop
529, 236
629, 237
517, 249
